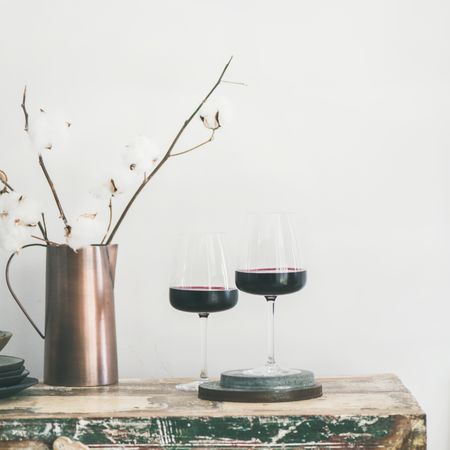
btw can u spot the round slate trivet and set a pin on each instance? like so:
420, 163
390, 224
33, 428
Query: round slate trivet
213, 391
244, 379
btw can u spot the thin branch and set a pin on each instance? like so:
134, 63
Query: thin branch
110, 220
24, 108
44, 234
4, 180
7, 186
67, 227
45, 240
235, 82
45, 225
197, 146
167, 154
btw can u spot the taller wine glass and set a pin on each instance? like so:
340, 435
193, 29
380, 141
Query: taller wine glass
202, 284
270, 266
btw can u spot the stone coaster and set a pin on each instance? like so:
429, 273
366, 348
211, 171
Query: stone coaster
213, 391
244, 379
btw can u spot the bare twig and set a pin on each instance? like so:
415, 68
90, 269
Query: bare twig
4, 181
44, 234
67, 227
24, 108
7, 186
167, 154
45, 225
110, 220
197, 146
45, 240
235, 82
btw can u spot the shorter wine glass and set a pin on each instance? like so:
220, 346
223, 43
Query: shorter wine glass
202, 284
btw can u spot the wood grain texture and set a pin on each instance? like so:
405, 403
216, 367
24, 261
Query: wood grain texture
355, 412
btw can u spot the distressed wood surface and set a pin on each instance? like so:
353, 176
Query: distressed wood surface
355, 412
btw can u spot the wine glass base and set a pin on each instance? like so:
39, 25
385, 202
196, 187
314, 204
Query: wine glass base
192, 386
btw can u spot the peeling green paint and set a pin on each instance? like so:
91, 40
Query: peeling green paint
212, 432
374, 412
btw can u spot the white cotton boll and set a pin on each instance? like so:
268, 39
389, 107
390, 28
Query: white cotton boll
86, 230
39, 131
20, 209
102, 190
13, 236
216, 113
124, 181
86, 204
115, 184
8, 201
27, 211
47, 131
141, 155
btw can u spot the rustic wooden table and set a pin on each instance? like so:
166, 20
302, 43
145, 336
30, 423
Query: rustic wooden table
355, 412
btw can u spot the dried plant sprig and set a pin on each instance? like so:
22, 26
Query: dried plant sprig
197, 146
166, 156
45, 240
240, 83
24, 108
4, 181
43, 227
109, 220
67, 227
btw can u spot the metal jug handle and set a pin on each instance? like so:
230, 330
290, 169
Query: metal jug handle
8, 283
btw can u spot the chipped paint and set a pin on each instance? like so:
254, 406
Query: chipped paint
157, 416
214, 431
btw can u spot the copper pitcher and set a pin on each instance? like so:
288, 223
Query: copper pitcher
80, 330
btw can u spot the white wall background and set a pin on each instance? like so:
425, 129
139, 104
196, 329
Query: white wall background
345, 120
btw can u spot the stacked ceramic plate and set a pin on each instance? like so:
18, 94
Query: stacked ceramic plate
13, 374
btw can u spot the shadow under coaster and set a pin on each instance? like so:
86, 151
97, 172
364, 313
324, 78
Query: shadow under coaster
245, 386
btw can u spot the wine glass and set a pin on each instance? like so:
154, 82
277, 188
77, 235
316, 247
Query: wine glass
202, 284
270, 266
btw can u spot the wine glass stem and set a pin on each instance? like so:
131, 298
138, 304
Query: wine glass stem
271, 330
204, 345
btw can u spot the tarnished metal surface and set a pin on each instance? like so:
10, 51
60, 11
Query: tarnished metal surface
367, 412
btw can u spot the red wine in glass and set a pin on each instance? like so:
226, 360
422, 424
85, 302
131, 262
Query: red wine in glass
203, 299
271, 281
